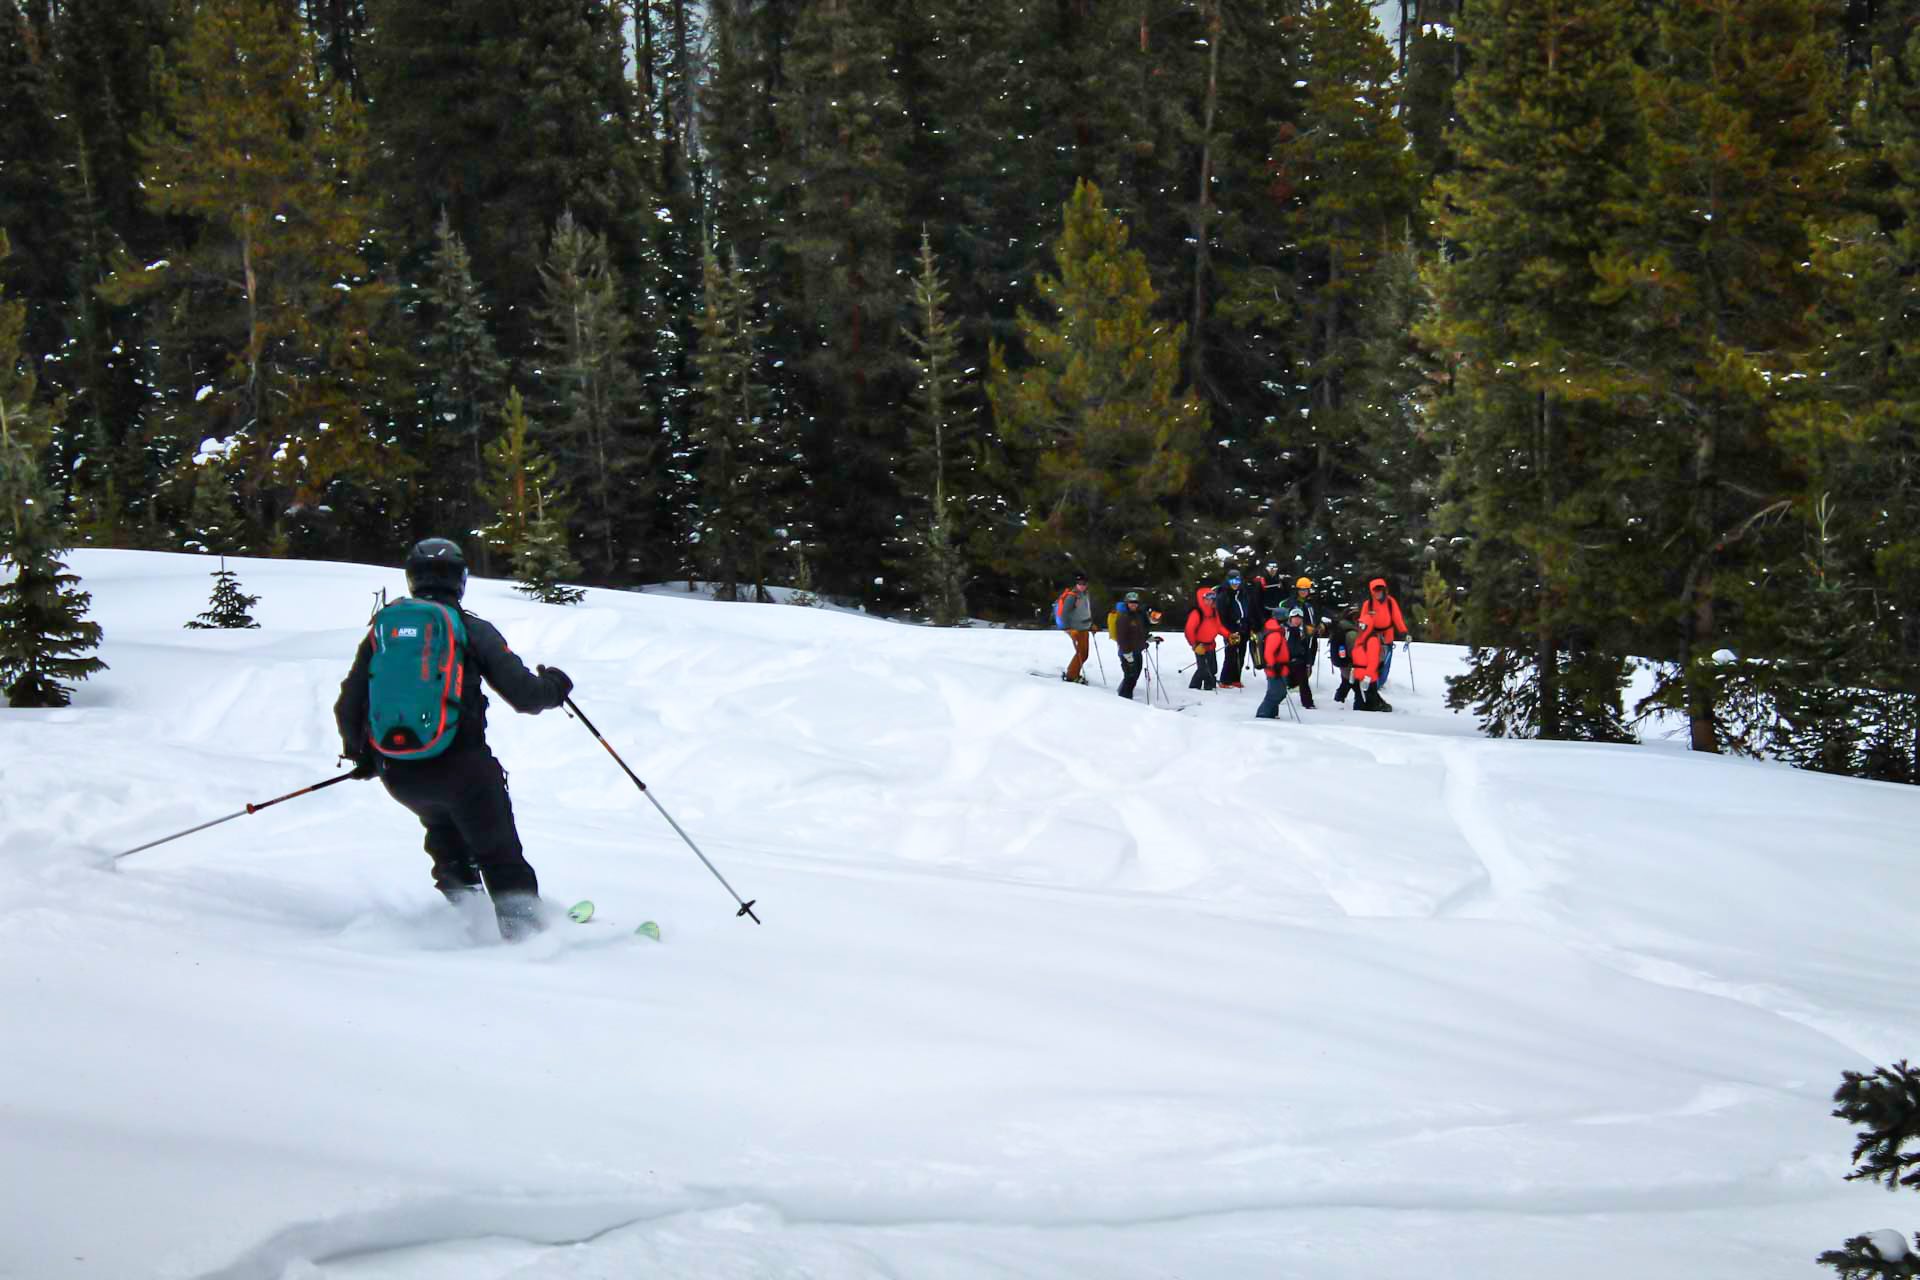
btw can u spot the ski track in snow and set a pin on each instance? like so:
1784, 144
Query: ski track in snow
1051, 985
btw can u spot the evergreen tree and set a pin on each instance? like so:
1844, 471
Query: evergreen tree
460, 378
841, 181
273, 304
521, 485
1438, 616
1851, 422
1885, 1108
44, 634
938, 470
596, 418
738, 456
214, 525
1737, 98
543, 563
502, 116
36, 197
1093, 425
228, 609
1544, 140
1349, 186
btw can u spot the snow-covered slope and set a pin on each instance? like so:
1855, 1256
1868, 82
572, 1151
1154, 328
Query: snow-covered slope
1050, 984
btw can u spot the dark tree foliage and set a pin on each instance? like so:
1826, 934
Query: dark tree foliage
1884, 1107
229, 607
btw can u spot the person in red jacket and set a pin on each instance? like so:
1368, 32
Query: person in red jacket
1381, 615
1203, 630
1367, 648
1276, 653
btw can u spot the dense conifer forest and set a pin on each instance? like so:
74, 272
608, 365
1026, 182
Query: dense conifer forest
1593, 325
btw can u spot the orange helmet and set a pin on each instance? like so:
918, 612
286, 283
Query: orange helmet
1304, 583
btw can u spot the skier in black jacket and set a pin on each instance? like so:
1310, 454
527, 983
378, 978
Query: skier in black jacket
460, 796
1236, 603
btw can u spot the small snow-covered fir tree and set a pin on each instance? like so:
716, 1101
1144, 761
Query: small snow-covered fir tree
227, 609
1439, 616
1885, 1104
544, 560
45, 639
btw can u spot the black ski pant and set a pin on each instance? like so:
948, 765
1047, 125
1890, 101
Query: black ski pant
1130, 665
1236, 654
461, 799
1206, 667
1302, 682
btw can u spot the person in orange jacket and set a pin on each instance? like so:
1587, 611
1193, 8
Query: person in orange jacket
1203, 630
1276, 659
1381, 615
1367, 648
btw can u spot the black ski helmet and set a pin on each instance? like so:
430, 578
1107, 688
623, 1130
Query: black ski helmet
436, 567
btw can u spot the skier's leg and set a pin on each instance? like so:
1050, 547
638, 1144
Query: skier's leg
1130, 665
454, 873
1232, 673
423, 795
1209, 670
1304, 687
484, 814
1079, 654
1269, 708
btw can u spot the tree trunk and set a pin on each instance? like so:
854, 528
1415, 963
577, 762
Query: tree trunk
1203, 199
1698, 639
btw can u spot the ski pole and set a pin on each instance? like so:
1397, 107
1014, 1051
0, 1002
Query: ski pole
746, 905
1413, 681
252, 808
1102, 661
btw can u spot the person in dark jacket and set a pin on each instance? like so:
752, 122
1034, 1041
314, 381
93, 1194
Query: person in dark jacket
1130, 640
1314, 621
1300, 648
1235, 602
460, 796
1340, 638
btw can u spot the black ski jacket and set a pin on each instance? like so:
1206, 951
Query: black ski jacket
487, 657
1236, 605
1129, 629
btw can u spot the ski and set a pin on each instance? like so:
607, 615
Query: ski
582, 911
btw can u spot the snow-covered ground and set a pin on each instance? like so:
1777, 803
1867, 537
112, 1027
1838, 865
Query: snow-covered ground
1050, 984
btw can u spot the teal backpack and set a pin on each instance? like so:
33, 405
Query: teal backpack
418, 671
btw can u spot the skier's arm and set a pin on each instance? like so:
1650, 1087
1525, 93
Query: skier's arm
502, 669
350, 709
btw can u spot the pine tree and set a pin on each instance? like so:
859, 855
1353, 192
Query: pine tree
1545, 140
841, 182
544, 563
596, 420
1851, 423
937, 473
1348, 186
460, 381
262, 161
1438, 616
1093, 426
1885, 1108
738, 458
521, 484
44, 634
1737, 97
36, 197
228, 609
502, 116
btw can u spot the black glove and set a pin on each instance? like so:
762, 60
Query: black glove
558, 679
365, 767
1155, 639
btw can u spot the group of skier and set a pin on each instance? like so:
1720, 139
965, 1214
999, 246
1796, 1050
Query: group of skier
1263, 624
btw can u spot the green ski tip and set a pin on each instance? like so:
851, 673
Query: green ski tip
649, 929
581, 911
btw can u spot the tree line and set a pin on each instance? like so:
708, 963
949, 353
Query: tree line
1586, 322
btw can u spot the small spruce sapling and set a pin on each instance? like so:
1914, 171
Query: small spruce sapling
1886, 1106
227, 610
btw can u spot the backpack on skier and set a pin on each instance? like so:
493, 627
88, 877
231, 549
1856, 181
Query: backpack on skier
417, 673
